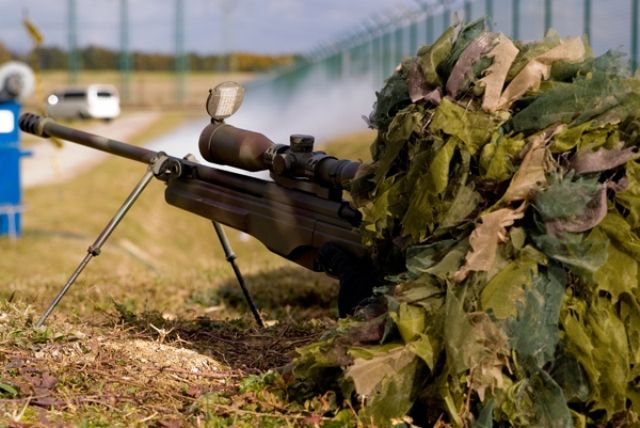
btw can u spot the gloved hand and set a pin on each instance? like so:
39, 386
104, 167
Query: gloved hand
357, 276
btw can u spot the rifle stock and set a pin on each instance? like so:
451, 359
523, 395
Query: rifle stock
289, 222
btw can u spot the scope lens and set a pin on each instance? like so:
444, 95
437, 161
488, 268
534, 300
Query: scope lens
224, 100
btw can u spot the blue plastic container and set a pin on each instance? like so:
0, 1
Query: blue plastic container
10, 154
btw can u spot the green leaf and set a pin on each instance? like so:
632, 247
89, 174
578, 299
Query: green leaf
549, 404
565, 197
596, 337
386, 380
496, 159
7, 389
580, 102
533, 333
485, 418
476, 343
502, 294
405, 123
630, 197
474, 128
618, 275
410, 320
429, 58
579, 252
392, 98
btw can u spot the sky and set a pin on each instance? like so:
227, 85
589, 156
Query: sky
265, 26
277, 26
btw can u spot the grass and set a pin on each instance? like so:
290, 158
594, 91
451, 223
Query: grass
155, 332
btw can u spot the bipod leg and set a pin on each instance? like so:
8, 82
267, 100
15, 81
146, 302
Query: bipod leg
94, 249
231, 258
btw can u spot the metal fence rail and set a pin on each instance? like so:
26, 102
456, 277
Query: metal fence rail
377, 46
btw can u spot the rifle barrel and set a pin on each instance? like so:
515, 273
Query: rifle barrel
46, 127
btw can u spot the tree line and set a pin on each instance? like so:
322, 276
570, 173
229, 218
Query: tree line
100, 58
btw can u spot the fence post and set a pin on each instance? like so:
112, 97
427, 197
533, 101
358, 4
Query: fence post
386, 53
398, 50
488, 11
548, 15
587, 19
515, 19
430, 29
634, 36
413, 37
468, 9
446, 16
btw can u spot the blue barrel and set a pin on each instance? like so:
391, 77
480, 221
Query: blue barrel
10, 154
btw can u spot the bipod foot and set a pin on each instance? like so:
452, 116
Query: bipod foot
95, 248
231, 258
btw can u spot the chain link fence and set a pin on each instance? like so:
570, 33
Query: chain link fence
372, 51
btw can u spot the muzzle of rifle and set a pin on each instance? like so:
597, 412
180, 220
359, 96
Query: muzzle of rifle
227, 145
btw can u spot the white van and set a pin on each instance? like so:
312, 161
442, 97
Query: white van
84, 102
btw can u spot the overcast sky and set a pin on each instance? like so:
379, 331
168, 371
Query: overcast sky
275, 26
269, 26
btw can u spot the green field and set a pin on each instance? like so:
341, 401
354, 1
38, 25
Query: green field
155, 331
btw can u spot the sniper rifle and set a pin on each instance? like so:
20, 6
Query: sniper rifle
293, 216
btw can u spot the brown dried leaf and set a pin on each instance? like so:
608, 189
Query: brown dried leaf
586, 161
532, 172
539, 68
463, 69
484, 240
503, 53
367, 374
418, 89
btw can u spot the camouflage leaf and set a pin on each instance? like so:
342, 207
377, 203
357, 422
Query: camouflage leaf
463, 70
503, 292
475, 343
618, 275
474, 128
484, 240
410, 320
629, 198
566, 196
620, 233
549, 404
533, 334
503, 54
586, 161
596, 337
405, 123
596, 98
539, 68
367, 374
594, 212
418, 88
391, 99
496, 159
430, 57
394, 395
532, 172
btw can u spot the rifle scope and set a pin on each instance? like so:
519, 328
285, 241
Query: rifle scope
227, 145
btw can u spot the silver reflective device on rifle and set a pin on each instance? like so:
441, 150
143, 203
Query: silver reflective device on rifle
224, 100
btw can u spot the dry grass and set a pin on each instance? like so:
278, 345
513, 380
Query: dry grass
154, 332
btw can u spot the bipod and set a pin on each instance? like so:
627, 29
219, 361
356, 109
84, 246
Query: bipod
161, 166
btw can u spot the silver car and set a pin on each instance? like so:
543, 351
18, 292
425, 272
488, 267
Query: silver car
84, 102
